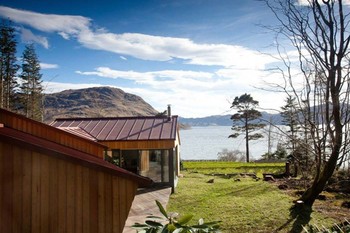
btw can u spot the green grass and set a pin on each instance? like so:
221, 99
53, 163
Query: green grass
242, 206
210, 167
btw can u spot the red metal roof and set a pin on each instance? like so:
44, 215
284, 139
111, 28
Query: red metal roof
49, 148
121, 128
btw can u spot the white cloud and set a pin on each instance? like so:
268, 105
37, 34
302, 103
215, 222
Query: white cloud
191, 93
141, 46
196, 93
158, 79
48, 66
62, 24
28, 36
52, 87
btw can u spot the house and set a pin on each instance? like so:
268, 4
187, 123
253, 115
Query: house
54, 181
148, 145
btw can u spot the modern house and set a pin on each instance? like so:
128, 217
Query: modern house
54, 181
147, 146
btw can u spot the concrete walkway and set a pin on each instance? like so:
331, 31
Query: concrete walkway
144, 204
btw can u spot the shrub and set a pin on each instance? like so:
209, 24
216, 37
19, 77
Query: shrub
173, 223
231, 155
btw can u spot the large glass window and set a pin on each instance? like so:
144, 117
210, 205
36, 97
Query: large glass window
150, 163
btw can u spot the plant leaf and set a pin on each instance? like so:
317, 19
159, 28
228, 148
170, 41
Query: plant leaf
153, 223
178, 230
171, 228
185, 219
161, 209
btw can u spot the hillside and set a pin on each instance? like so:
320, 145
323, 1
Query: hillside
95, 102
225, 120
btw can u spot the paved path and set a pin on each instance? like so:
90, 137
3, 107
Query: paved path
144, 204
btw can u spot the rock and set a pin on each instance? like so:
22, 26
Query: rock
299, 192
344, 186
253, 175
236, 180
210, 181
268, 178
283, 186
321, 197
346, 204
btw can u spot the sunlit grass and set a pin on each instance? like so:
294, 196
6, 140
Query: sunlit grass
210, 167
242, 206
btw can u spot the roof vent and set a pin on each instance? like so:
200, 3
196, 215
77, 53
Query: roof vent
169, 112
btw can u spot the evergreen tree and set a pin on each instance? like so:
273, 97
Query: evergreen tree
8, 66
246, 119
290, 113
31, 87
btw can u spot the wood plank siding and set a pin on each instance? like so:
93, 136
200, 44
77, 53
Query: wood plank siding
47, 132
137, 145
41, 193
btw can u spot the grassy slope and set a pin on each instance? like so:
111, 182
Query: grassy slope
242, 206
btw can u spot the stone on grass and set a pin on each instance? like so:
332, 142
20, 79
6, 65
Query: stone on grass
210, 181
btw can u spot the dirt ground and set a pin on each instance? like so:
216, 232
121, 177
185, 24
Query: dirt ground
329, 203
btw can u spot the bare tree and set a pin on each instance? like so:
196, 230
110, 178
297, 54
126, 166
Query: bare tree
318, 30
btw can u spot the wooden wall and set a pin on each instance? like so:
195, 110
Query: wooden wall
139, 145
40, 193
50, 133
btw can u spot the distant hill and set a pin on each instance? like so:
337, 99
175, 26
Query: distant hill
225, 120
95, 102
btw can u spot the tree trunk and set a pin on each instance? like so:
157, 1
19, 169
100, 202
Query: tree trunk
318, 185
247, 141
320, 181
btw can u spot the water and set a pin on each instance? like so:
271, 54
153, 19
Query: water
206, 142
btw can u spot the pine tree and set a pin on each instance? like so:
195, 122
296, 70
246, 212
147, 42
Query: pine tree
245, 120
31, 86
8, 66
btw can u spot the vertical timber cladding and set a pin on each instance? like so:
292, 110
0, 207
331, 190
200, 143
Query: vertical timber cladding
42, 130
40, 193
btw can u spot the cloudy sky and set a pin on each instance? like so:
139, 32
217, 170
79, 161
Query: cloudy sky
196, 55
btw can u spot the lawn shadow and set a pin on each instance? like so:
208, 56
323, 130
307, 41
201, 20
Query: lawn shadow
300, 215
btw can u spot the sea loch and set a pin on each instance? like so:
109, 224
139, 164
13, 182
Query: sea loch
202, 143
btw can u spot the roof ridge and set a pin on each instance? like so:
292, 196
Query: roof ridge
112, 118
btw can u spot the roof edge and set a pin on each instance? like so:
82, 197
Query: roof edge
112, 118
69, 154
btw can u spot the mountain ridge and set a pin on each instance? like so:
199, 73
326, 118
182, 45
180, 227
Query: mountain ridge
95, 102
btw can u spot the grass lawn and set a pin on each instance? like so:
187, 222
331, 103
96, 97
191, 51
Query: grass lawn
209, 167
242, 206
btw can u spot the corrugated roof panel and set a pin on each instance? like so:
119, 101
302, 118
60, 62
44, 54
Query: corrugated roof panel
118, 126
156, 129
74, 123
146, 129
65, 124
91, 125
55, 124
124, 128
78, 131
167, 130
107, 130
98, 128
82, 123
125, 131
136, 130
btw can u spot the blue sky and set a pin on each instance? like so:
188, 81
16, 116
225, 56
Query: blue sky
196, 55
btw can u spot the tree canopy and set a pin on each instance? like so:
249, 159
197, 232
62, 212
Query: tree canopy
246, 120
